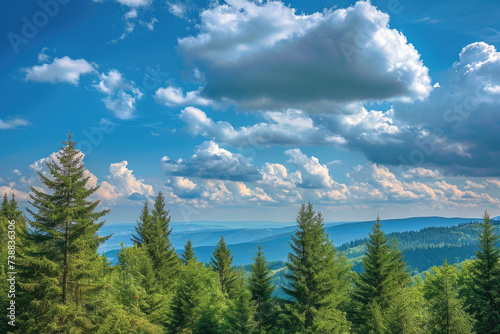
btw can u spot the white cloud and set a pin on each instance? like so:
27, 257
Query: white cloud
62, 69
313, 173
13, 123
42, 56
132, 3
151, 24
131, 14
125, 181
178, 9
122, 95
173, 96
20, 195
277, 176
420, 172
210, 161
290, 127
374, 122
267, 56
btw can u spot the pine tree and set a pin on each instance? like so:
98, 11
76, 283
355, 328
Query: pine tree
384, 275
261, 290
486, 280
240, 313
447, 311
222, 262
162, 253
313, 276
144, 226
62, 260
188, 253
198, 302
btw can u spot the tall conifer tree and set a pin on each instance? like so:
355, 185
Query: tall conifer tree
383, 278
62, 260
162, 253
222, 262
486, 279
447, 310
262, 289
313, 276
144, 226
188, 253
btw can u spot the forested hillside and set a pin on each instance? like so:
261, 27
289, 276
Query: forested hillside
63, 285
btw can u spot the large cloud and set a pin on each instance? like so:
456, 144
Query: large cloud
210, 161
267, 56
456, 129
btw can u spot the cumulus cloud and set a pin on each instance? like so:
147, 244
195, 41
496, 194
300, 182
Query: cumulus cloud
125, 183
371, 122
122, 95
278, 177
420, 172
177, 9
62, 69
290, 127
313, 173
13, 123
456, 127
210, 161
173, 96
376, 183
267, 56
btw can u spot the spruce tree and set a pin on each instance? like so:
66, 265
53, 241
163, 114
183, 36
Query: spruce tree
240, 313
160, 249
486, 280
314, 279
261, 290
198, 302
384, 275
222, 262
188, 253
144, 226
62, 260
447, 310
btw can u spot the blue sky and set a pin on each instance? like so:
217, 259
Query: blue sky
242, 110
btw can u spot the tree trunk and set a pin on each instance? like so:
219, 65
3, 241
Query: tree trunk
65, 269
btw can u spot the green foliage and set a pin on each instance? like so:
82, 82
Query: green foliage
261, 291
60, 264
239, 318
485, 301
199, 304
222, 262
314, 279
188, 253
381, 286
143, 227
161, 251
447, 310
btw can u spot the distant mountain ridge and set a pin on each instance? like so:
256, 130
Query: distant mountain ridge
243, 242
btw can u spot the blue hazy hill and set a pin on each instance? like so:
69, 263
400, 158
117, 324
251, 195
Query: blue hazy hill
243, 242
